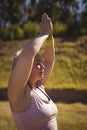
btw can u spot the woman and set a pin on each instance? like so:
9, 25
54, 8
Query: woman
31, 107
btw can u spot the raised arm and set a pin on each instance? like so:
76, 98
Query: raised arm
22, 70
49, 54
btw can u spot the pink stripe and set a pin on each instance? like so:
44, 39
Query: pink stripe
38, 116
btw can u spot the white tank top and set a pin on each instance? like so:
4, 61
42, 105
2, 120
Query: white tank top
39, 115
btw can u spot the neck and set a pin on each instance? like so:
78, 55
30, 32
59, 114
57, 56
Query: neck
31, 85
34, 85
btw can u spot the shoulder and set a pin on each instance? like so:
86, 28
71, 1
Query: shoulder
22, 102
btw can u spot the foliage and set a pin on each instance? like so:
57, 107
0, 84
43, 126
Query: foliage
60, 29
65, 12
30, 29
13, 32
12, 11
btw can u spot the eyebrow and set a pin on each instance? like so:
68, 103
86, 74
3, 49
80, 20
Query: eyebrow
38, 60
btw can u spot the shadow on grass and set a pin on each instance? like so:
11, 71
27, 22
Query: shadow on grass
68, 95
58, 95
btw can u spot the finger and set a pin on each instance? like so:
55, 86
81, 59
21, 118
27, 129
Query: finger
43, 19
45, 15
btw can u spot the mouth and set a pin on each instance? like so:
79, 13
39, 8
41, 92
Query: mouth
42, 73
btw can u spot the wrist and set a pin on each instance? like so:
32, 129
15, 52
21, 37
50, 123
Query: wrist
50, 36
49, 41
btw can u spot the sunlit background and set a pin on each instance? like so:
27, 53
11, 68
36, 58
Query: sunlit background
67, 86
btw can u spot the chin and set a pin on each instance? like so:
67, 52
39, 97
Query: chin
42, 76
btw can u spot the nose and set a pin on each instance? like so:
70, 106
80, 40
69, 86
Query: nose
42, 66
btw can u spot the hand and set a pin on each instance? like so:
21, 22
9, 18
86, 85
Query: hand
46, 26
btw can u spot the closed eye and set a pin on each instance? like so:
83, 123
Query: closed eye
38, 65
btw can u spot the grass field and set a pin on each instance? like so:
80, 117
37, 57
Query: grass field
70, 69
70, 116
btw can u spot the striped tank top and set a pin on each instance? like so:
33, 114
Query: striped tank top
39, 115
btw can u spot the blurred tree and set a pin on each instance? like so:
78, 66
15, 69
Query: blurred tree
33, 2
68, 9
84, 18
3, 15
12, 11
43, 6
61, 11
31, 10
16, 9
64, 11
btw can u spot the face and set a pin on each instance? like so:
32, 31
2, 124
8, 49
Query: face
38, 68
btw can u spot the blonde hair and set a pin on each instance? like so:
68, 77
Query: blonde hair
16, 57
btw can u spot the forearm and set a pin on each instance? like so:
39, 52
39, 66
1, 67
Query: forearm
49, 58
49, 53
23, 67
35, 44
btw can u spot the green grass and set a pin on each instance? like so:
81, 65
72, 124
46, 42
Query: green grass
70, 116
7, 52
5, 68
70, 69
6, 120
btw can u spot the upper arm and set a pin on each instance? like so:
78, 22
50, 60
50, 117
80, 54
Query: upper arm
20, 75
